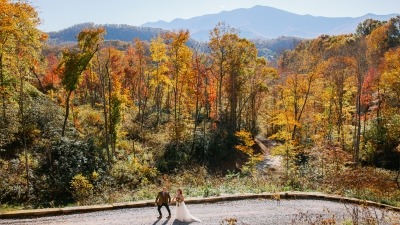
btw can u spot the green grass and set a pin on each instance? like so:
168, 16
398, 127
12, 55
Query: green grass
198, 183
213, 186
8, 208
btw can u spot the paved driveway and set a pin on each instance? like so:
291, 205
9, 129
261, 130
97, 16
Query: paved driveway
252, 212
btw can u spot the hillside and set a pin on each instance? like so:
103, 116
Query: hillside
118, 36
96, 124
267, 22
120, 32
272, 48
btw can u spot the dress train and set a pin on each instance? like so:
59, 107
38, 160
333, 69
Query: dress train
183, 214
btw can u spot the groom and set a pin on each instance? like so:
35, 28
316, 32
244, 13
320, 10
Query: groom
163, 199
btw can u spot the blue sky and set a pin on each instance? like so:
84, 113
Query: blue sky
60, 14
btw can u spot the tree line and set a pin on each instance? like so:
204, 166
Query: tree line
340, 92
114, 102
158, 106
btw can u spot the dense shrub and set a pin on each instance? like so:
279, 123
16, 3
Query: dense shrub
203, 150
66, 159
82, 189
382, 138
131, 173
176, 156
13, 188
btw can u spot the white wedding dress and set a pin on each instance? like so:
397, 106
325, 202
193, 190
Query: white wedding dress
182, 213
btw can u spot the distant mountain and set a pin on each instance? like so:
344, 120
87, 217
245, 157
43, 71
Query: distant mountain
267, 22
113, 32
119, 37
272, 48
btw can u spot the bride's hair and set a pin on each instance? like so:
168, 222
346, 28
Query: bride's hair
180, 191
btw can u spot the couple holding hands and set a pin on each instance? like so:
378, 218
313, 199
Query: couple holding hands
181, 213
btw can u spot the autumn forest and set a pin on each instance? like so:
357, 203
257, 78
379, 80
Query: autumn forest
98, 121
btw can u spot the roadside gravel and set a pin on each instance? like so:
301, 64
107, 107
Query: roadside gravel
254, 212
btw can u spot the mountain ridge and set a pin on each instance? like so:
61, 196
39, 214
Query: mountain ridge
256, 22
121, 32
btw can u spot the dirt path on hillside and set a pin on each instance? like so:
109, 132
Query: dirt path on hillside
269, 162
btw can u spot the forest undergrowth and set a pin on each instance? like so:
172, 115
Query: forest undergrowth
364, 183
96, 122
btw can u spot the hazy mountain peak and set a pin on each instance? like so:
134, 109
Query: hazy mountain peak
267, 22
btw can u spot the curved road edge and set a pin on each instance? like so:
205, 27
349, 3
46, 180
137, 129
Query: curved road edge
275, 196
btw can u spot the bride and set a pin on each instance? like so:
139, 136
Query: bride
182, 213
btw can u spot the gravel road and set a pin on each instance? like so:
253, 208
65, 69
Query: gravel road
255, 211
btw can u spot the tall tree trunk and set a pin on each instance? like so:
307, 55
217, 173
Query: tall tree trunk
41, 88
340, 120
168, 103
242, 105
140, 93
159, 104
106, 124
196, 117
330, 122
233, 104
176, 99
146, 99
110, 121
196, 114
103, 78
66, 112
295, 106
357, 125
3, 91
26, 154
23, 125
358, 136
180, 101
239, 117
208, 109
300, 113
91, 89
253, 115
157, 99
219, 101
362, 69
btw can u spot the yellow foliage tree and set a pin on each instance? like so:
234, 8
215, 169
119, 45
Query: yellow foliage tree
246, 146
247, 142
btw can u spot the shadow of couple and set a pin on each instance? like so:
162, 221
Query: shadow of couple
175, 222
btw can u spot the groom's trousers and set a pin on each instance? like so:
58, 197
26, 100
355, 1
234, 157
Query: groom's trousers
166, 206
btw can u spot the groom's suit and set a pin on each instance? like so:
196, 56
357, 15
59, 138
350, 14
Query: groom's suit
163, 199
